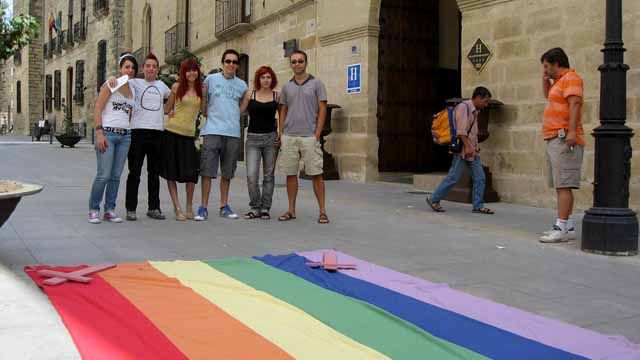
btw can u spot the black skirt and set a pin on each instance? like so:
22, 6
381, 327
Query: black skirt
180, 162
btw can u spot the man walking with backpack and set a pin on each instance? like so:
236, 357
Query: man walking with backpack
465, 116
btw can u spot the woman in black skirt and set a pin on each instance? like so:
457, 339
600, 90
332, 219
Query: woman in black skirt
180, 162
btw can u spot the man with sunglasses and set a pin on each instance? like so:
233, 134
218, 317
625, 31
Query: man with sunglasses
221, 133
302, 115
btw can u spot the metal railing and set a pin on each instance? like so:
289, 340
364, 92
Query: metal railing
79, 34
140, 54
230, 13
100, 8
175, 39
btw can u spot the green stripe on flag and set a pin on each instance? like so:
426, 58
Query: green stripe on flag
359, 320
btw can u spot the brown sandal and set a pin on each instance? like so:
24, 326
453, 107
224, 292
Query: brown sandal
286, 217
323, 219
435, 206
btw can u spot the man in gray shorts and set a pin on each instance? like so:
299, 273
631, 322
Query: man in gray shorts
563, 132
221, 133
302, 115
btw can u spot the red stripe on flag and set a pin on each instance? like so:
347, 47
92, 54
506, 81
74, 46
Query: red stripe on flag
98, 331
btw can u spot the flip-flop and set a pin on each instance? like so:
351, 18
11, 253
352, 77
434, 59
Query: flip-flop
435, 206
286, 217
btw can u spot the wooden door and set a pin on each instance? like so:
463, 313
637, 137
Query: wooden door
407, 65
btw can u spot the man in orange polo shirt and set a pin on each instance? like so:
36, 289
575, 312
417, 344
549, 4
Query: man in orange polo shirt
564, 135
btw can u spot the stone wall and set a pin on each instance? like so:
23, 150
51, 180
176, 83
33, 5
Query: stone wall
518, 32
29, 73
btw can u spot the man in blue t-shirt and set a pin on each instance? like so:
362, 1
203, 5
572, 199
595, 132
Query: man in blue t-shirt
221, 132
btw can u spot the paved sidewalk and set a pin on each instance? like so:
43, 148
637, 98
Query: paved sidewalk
495, 257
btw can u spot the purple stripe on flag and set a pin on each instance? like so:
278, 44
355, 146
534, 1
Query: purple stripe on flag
551, 332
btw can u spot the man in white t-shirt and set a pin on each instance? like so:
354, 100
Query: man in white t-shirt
147, 124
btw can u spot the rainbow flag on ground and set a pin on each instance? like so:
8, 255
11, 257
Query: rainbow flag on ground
277, 307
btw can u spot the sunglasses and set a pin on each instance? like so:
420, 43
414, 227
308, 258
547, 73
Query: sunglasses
234, 62
294, 62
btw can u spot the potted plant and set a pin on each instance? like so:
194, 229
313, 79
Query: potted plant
69, 136
10, 194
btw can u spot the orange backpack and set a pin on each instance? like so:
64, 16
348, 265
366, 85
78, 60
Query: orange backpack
442, 127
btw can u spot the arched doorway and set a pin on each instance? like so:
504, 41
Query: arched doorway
418, 69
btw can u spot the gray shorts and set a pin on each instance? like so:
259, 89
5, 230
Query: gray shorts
564, 163
219, 150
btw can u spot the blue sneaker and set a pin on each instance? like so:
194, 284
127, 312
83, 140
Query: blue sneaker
226, 212
203, 214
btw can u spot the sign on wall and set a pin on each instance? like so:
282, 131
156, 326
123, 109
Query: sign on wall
479, 55
353, 79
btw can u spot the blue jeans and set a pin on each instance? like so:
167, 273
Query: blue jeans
261, 147
110, 164
477, 174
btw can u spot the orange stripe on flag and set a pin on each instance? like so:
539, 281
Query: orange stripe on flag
200, 329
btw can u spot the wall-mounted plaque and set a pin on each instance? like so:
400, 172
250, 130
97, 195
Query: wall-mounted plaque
289, 47
479, 55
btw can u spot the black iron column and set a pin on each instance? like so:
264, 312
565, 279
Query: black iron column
610, 227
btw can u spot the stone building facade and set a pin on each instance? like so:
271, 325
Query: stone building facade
80, 52
25, 75
412, 56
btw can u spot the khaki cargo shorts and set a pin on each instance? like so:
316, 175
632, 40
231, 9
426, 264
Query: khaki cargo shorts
564, 163
295, 147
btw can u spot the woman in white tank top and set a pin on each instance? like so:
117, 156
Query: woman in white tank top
113, 136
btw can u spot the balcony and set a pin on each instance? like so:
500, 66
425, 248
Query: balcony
233, 18
100, 8
79, 34
175, 39
69, 33
63, 39
140, 54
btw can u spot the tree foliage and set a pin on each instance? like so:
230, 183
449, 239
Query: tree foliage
16, 33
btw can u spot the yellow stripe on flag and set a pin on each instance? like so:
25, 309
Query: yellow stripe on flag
296, 332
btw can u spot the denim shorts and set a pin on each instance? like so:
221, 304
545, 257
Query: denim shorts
222, 151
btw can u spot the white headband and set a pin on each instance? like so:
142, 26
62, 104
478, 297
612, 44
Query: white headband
124, 56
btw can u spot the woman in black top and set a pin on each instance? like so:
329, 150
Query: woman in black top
261, 141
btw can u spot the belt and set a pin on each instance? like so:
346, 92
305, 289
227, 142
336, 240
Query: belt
119, 131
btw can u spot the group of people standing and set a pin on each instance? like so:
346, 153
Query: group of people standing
129, 123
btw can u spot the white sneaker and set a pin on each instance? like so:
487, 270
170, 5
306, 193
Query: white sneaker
571, 233
556, 236
94, 217
111, 216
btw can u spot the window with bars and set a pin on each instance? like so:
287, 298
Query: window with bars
48, 92
19, 97
102, 64
57, 89
79, 92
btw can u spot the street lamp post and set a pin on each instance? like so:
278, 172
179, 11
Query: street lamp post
610, 227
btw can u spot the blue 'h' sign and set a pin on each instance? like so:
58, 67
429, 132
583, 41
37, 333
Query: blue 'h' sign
353, 79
